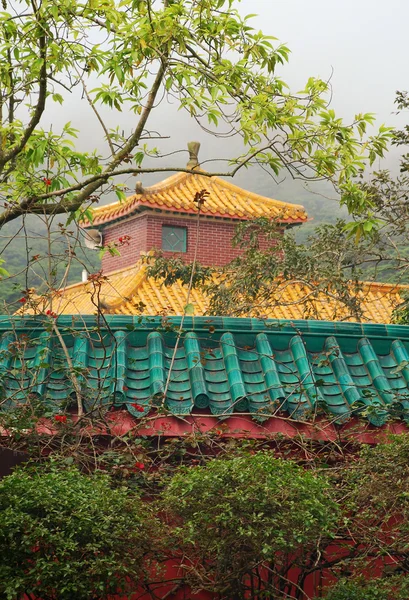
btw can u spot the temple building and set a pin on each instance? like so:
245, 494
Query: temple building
335, 384
164, 216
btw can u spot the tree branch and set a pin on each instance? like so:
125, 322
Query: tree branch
39, 109
91, 184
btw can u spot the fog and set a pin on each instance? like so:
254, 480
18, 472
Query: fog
359, 45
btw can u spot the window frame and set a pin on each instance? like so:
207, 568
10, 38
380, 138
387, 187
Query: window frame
174, 227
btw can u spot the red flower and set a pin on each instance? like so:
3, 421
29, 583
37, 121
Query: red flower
52, 314
47, 181
138, 407
125, 388
139, 465
124, 239
23, 300
60, 418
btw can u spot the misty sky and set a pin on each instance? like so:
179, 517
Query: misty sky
362, 43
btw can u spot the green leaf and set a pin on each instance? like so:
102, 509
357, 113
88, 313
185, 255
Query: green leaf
189, 309
402, 365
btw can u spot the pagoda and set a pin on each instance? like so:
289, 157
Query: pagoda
165, 217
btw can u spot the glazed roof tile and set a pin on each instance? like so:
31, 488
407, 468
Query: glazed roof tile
176, 194
223, 365
129, 291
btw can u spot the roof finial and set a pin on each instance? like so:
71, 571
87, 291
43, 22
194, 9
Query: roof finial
193, 148
139, 188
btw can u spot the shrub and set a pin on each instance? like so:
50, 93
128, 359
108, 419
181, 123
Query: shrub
66, 535
247, 517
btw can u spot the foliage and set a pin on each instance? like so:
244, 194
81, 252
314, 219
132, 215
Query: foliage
38, 258
243, 518
328, 265
245, 515
400, 315
391, 588
201, 53
380, 483
66, 535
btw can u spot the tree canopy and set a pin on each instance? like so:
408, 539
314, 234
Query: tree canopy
133, 55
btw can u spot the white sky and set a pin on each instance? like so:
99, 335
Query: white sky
363, 43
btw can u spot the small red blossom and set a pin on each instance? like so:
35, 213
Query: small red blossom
124, 240
139, 465
47, 181
138, 407
60, 418
23, 300
52, 314
125, 388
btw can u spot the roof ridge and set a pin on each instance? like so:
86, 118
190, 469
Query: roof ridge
232, 186
243, 205
384, 285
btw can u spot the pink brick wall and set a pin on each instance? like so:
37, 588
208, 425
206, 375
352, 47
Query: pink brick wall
146, 233
136, 228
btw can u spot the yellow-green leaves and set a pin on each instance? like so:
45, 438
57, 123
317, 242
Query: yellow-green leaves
3, 272
203, 56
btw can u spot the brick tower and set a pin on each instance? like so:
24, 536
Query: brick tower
164, 216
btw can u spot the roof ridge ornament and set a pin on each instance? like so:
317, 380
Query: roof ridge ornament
193, 148
139, 189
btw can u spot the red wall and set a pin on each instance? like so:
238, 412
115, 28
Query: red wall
214, 249
136, 228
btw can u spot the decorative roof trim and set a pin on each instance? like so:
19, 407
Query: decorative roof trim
262, 205
216, 325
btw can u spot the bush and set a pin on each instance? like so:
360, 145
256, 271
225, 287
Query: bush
65, 535
241, 517
391, 588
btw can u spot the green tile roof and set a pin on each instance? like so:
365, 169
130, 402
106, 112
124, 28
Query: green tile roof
225, 365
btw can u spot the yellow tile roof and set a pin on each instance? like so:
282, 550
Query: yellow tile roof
176, 193
130, 292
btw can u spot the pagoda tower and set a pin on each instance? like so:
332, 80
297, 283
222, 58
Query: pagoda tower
164, 216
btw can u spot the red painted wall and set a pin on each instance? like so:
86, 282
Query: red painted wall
145, 230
